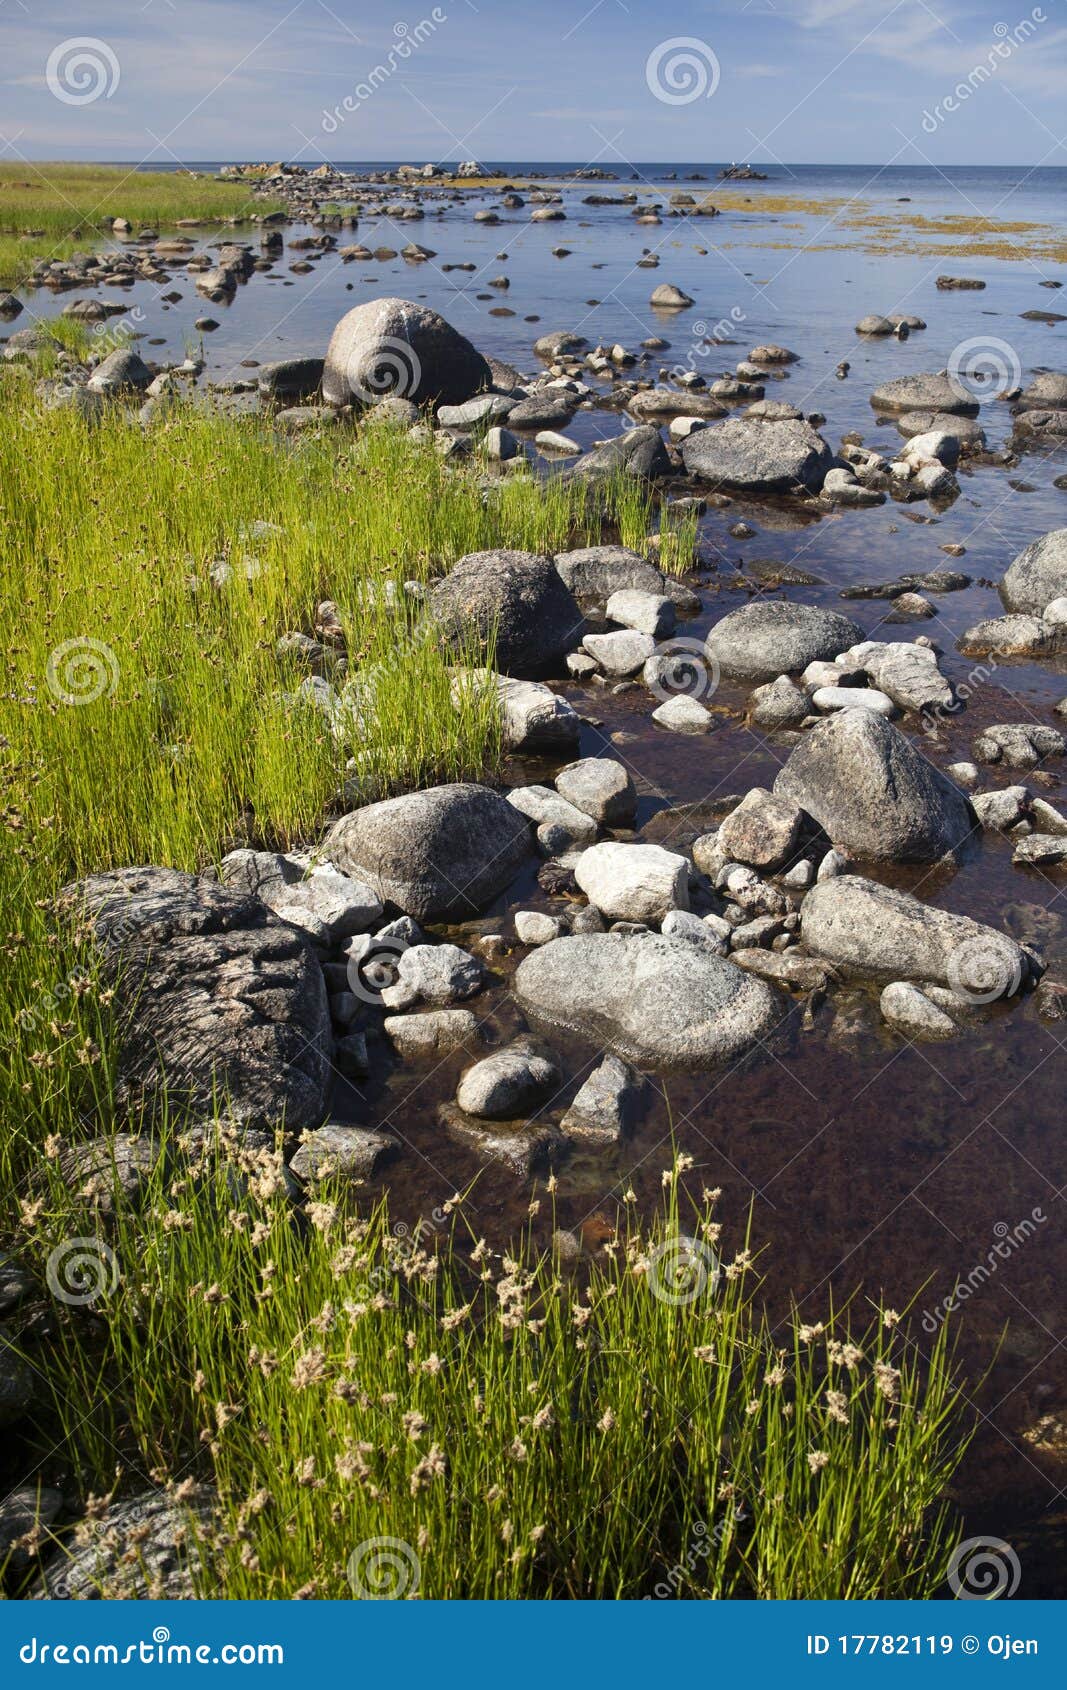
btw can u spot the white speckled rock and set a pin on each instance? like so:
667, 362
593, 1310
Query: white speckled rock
633, 882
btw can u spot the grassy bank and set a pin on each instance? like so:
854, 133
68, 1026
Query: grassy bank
54, 210
524, 1426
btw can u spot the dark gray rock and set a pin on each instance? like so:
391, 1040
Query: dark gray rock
122, 371
290, 378
874, 794
394, 346
440, 854
17, 1383
514, 606
343, 1152
639, 453
551, 408
593, 573
217, 999
654, 1001
603, 1110
144, 1548
30, 1509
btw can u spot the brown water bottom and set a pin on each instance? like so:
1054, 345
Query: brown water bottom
873, 1167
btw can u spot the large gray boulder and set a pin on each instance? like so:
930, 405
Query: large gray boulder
924, 393
771, 637
595, 572
1038, 575
395, 346
1047, 390
878, 933
657, 1002
218, 1000
512, 605
748, 455
873, 793
439, 854
122, 371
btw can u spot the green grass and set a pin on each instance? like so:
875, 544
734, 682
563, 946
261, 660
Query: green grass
591, 1444
55, 210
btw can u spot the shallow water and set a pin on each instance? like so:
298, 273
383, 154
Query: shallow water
870, 1163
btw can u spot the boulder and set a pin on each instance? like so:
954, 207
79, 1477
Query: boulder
764, 831
142, 1549
924, 393
533, 719
621, 653
596, 572
438, 1032
18, 1383
510, 1083
654, 1001
601, 788
633, 882
752, 456
350, 1153
122, 371
327, 906
440, 854
395, 346
436, 974
638, 453
1011, 636
906, 671
875, 932
912, 1013
550, 408
666, 297
26, 1513
218, 1000
645, 613
1018, 745
1038, 575
874, 794
772, 637
290, 378
514, 605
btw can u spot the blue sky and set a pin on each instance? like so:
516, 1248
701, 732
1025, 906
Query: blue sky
863, 81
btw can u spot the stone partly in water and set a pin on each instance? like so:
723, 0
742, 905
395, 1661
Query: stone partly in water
395, 346
772, 637
509, 1084
514, 604
633, 882
441, 854
603, 1110
638, 453
1037, 576
874, 794
658, 1002
218, 999
350, 1153
924, 393
596, 572
876, 932
751, 456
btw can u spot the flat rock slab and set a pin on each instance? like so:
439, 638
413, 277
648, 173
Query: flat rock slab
350, 1153
440, 854
219, 1000
876, 932
658, 1002
135, 1550
924, 393
595, 572
752, 456
521, 1146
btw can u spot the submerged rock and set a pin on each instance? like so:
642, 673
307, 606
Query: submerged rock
657, 1002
